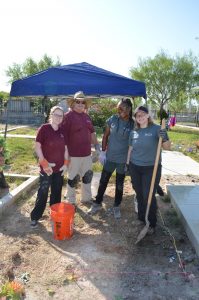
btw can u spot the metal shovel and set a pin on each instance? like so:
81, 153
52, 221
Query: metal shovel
146, 227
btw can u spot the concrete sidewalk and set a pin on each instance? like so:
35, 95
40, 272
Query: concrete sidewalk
176, 163
184, 198
19, 136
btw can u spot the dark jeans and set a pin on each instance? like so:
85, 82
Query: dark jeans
105, 176
55, 182
141, 180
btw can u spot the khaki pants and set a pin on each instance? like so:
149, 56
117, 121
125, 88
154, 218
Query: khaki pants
79, 165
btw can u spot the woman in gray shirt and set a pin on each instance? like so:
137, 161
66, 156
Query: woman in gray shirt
114, 154
143, 142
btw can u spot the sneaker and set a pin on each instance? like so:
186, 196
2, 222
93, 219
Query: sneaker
116, 212
135, 204
94, 208
34, 223
109, 211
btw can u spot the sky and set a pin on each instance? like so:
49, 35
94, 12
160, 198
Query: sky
111, 34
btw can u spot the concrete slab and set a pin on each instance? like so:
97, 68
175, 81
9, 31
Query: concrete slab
11, 196
185, 199
176, 163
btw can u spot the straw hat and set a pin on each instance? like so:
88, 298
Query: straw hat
79, 96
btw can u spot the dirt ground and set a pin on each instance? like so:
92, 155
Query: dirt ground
101, 260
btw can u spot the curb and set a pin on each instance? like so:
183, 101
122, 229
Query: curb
13, 195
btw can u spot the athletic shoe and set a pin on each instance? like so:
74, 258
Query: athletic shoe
34, 223
94, 208
116, 212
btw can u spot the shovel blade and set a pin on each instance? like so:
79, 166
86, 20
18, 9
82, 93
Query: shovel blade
142, 233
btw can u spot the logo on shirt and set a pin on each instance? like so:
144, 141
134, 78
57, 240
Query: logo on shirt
135, 135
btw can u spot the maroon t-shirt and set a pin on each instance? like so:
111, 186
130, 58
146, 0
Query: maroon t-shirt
52, 145
77, 129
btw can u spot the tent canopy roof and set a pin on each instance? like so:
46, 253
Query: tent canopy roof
67, 80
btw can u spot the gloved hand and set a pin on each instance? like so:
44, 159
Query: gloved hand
97, 149
47, 167
102, 157
64, 168
163, 134
95, 156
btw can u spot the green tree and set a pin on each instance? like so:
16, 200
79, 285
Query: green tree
102, 110
167, 78
3, 99
179, 103
29, 67
4, 96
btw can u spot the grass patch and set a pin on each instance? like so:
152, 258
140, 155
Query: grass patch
183, 140
173, 218
21, 155
14, 181
26, 131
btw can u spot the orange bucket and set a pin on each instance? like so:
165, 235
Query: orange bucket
62, 215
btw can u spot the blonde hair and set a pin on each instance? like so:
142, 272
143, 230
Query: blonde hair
53, 109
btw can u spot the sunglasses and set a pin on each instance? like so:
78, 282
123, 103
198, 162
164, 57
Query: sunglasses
80, 101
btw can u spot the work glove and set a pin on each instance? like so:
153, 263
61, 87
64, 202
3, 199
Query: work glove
64, 168
47, 167
97, 148
163, 134
95, 155
102, 157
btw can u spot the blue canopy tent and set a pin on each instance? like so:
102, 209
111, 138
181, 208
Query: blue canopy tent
67, 80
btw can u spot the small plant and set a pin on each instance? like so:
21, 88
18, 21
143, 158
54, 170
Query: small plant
12, 290
3, 151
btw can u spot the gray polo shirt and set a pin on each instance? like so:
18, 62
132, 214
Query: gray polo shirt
118, 139
144, 142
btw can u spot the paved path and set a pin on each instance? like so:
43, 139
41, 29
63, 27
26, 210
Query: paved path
19, 136
186, 126
176, 163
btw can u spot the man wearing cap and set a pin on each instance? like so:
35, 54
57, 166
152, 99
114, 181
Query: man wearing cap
79, 134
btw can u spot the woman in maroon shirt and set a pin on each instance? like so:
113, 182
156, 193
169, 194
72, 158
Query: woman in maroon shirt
52, 154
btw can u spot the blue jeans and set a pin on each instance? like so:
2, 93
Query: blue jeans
107, 171
55, 182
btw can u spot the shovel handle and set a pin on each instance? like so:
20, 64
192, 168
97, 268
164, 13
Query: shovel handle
154, 174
